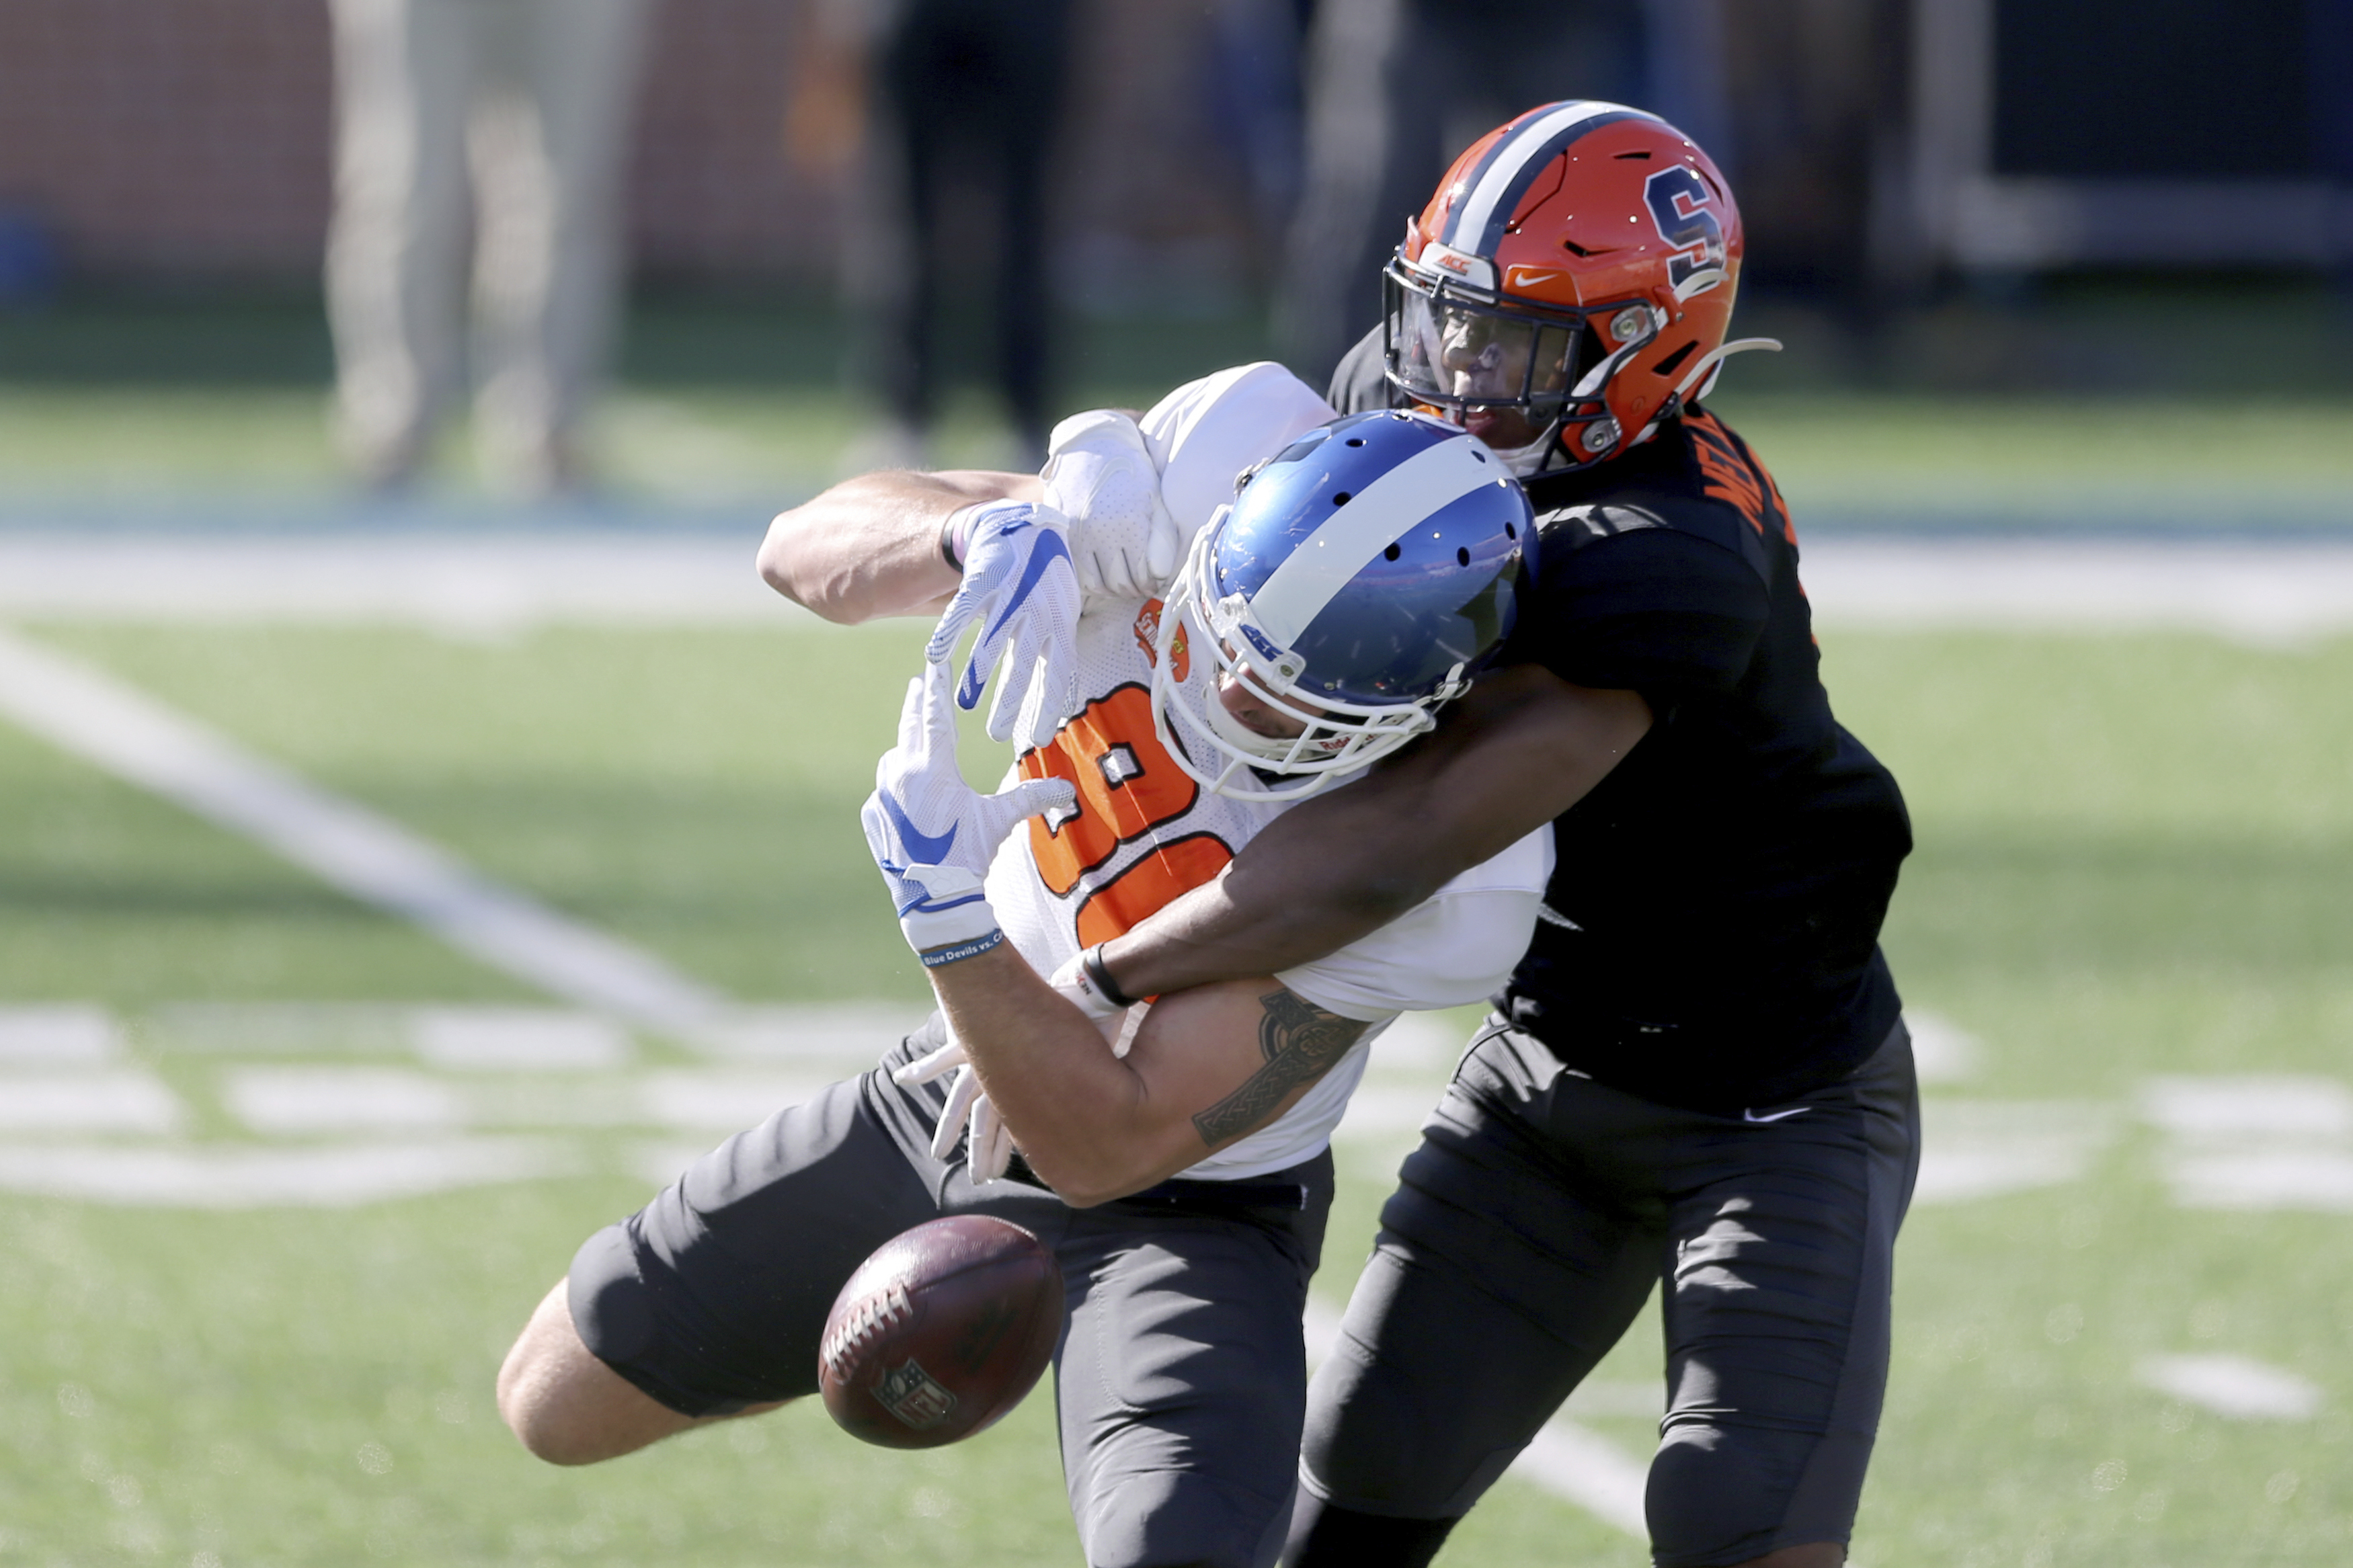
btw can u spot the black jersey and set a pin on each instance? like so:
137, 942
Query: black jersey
1710, 937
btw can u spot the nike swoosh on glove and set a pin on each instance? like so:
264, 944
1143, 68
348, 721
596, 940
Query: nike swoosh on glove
1019, 587
932, 835
1100, 473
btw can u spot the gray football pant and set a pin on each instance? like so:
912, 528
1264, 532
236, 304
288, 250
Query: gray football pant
1181, 1379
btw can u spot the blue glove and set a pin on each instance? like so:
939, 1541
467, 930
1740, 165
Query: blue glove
932, 835
1020, 586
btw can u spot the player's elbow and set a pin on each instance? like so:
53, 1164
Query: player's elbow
1086, 1188
1088, 1178
789, 564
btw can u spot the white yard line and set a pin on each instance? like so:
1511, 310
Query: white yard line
2265, 592
339, 1175
376, 861
69, 1034
2236, 1387
2261, 593
459, 583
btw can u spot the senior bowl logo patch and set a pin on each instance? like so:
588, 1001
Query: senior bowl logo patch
1147, 637
914, 1396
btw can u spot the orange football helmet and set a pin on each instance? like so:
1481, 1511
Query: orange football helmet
1568, 287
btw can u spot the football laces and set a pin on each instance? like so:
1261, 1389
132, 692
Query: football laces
868, 1321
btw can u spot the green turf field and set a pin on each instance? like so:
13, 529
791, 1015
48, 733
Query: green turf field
2136, 863
2133, 892
1842, 458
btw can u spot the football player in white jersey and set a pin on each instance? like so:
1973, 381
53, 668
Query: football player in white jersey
1175, 1155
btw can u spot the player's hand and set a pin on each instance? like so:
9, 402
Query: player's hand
1100, 473
1079, 989
968, 1116
932, 835
1020, 586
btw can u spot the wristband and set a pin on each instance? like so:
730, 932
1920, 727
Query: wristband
957, 952
955, 534
1092, 961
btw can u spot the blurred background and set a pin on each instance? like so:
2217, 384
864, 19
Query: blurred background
420, 833
1984, 198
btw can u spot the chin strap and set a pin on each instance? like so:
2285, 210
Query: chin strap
1714, 356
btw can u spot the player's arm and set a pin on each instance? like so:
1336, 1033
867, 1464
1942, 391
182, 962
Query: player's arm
1519, 749
1207, 1066
871, 545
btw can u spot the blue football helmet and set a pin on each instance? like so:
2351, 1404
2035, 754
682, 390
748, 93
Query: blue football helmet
1359, 579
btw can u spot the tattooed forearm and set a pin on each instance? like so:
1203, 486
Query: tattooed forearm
1300, 1041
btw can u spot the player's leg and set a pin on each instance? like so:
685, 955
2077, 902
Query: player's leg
1182, 1377
916, 96
1027, 49
395, 265
570, 1408
548, 272
710, 1302
1501, 1276
1777, 1317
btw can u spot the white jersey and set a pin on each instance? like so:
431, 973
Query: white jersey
1142, 831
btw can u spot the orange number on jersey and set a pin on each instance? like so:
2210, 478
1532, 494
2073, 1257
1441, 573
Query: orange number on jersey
1129, 898
1127, 783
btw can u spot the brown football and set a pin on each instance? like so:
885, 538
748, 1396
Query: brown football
939, 1332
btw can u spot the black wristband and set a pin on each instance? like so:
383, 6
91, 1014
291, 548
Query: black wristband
1092, 961
947, 542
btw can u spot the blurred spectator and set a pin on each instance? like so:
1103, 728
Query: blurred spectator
960, 90
1395, 90
28, 260
1254, 93
537, 96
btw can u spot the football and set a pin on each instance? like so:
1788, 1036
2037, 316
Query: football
939, 1332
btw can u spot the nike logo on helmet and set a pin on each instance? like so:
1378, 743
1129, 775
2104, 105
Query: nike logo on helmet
1776, 1115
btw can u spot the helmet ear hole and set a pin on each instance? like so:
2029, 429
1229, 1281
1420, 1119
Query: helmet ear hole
1392, 553
1675, 361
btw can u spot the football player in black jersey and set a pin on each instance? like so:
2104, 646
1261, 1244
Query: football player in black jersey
1698, 1079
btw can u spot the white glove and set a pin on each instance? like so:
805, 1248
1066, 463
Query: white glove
1100, 473
932, 835
969, 1114
1018, 585
1072, 982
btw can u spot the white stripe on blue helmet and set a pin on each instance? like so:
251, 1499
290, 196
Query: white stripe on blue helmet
1359, 580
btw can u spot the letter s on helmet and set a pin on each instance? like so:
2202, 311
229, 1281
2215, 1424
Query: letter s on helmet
1567, 286
1359, 580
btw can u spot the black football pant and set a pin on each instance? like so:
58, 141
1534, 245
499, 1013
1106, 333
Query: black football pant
1527, 1231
